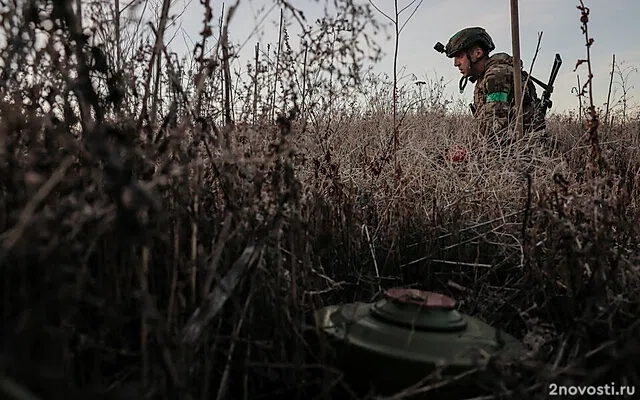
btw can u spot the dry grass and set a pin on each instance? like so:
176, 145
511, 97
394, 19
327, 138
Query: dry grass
158, 258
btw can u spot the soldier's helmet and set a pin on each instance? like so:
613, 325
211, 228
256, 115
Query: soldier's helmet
466, 38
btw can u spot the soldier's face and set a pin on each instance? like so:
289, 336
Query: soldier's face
462, 62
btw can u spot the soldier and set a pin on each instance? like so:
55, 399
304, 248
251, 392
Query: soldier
494, 103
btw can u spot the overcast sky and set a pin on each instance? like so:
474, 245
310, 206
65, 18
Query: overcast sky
613, 25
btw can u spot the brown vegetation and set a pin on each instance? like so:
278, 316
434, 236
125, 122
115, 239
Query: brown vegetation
150, 245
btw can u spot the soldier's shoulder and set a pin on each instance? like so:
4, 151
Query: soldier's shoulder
499, 63
499, 71
501, 58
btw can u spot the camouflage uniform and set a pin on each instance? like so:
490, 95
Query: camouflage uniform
494, 102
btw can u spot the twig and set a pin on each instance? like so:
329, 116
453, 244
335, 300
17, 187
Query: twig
222, 390
146, 311
10, 238
525, 220
457, 286
466, 264
194, 236
447, 263
483, 223
16, 391
613, 66
222, 241
174, 273
526, 83
473, 238
597, 164
157, 48
212, 304
560, 354
373, 255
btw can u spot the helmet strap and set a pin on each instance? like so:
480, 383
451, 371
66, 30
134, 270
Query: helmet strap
465, 79
463, 83
471, 79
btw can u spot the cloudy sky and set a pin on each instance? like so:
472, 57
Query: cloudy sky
613, 25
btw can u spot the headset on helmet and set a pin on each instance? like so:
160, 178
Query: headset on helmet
464, 39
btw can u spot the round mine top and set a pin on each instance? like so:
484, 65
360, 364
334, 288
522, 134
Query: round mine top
420, 298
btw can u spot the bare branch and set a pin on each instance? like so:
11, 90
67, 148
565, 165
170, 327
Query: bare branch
381, 12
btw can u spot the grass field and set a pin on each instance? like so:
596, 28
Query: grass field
130, 200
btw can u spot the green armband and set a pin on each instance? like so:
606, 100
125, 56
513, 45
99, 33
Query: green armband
497, 96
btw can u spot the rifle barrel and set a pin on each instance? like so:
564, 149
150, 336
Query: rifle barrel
554, 70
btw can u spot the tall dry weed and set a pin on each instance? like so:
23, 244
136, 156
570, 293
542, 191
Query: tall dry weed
155, 244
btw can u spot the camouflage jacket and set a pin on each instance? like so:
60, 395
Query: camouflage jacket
495, 104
